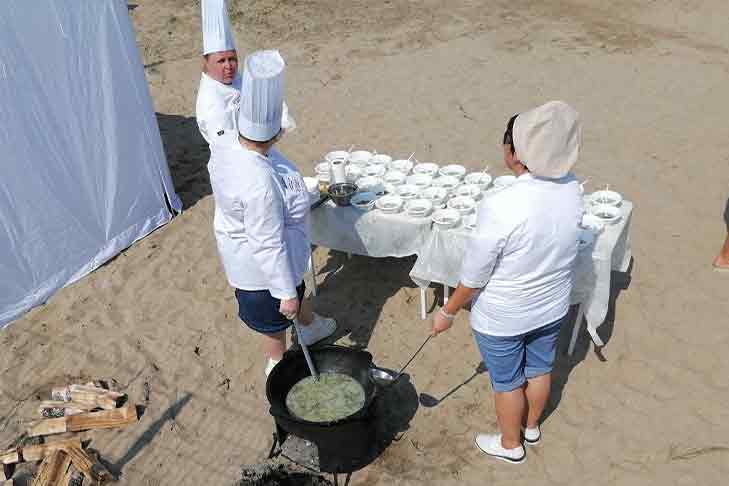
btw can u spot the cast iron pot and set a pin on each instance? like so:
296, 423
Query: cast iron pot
343, 444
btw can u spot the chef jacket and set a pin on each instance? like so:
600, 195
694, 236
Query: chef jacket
522, 253
217, 108
261, 219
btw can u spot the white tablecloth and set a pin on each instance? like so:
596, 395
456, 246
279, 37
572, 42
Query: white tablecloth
439, 260
368, 233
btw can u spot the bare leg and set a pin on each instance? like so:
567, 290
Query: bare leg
510, 408
306, 312
722, 260
274, 345
537, 393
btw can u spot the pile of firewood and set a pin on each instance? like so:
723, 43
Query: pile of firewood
65, 461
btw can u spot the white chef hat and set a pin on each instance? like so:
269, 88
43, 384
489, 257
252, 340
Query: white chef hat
262, 89
217, 34
547, 139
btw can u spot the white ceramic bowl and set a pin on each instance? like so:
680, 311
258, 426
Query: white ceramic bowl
381, 159
481, 179
364, 200
454, 170
404, 166
463, 204
371, 184
421, 181
336, 154
446, 218
389, 204
312, 184
374, 170
353, 172
436, 195
470, 190
360, 157
426, 168
504, 181
394, 177
609, 198
418, 208
449, 183
322, 168
407, 191
607, 214
592, 223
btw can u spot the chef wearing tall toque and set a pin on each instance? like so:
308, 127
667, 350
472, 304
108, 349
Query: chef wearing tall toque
262, 214
218, 95
517, 270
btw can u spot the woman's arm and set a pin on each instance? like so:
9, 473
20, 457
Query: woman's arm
443, 319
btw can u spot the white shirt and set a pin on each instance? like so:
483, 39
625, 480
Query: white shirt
216, 110
522, 255
261, 219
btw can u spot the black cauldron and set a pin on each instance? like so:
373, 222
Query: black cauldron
343, 444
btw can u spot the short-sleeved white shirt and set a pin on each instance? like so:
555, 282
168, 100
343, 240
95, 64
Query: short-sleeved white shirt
522, 255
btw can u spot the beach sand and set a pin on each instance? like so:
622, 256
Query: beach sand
441, 79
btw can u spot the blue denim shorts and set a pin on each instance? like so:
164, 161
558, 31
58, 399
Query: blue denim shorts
258, 309
512, 360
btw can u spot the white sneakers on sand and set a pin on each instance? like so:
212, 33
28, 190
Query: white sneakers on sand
320, 328
532, 436
269, 365
490, 444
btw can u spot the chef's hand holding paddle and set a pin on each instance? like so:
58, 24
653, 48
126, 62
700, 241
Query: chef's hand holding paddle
289, 308
442, 321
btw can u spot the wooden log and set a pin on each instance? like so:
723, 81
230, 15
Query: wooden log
37, 452
51, 469
90, 395
57, 409
73, 477
84, 463
105, 419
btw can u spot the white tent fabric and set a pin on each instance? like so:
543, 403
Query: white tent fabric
84, 173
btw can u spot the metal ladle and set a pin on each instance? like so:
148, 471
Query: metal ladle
429, 401
386, 377
305, 348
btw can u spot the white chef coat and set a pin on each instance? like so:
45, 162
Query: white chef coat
522, 255
261, 219
217, 108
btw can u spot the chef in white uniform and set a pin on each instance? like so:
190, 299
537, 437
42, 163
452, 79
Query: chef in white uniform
218, 96
262, 214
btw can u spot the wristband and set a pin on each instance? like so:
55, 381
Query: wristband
449, 317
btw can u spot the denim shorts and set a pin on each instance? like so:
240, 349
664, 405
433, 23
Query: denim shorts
512, 360
258, 309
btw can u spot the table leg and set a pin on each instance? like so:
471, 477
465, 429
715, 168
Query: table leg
423, 304
576, 329
313, 275
446, 291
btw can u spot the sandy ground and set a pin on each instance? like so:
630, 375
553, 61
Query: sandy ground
440, 78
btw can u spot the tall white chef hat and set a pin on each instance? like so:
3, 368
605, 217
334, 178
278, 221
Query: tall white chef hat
262, 90
547, 139
217, 34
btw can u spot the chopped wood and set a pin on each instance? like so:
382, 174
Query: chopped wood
73, 477
84, 463
52, 469
105, 419
62, 394
56, 408
37, 452
94, 396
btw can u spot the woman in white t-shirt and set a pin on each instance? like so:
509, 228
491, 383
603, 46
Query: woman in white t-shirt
517, 270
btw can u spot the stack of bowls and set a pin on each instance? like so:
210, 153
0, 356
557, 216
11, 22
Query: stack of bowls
402, 165
421, 181
392, 179
453, 170
481, 179
360, 157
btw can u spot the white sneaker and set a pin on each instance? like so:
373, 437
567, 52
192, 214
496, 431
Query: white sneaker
532, 436
320, 328
491, 444
269, 366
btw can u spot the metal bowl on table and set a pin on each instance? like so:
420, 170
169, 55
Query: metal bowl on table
341, 193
